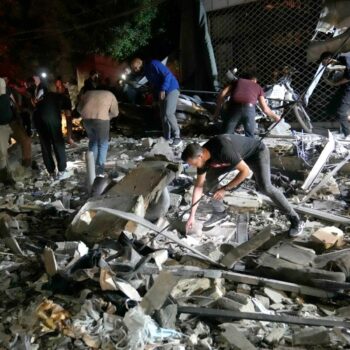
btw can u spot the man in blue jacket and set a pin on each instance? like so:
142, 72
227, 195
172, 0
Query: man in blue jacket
166, 86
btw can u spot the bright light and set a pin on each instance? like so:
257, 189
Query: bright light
44, 75
123, 76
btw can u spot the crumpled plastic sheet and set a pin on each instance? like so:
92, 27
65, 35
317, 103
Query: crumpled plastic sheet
143, 330
106, 332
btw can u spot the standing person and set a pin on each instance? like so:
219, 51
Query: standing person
340, 104
18, 131
90, 83
6, 116
47, 119
66, 108
97, 108
224, 153
167, 87
244, 93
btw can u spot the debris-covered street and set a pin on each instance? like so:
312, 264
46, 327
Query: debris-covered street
174, 174
83, 272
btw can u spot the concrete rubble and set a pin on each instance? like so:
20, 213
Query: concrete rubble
104, 263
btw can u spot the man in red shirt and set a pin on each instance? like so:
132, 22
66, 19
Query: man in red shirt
245, 93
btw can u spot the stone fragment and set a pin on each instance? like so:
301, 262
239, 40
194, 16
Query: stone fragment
159, 292
275, 336
264, 300
243, 288
235, 338
175, 200
276, 296
312, 336
243, 199
190, 286
344, 311
328, 237
167, 316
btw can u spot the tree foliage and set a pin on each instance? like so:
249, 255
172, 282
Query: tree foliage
134, 33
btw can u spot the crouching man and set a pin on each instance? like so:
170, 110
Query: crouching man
222, 154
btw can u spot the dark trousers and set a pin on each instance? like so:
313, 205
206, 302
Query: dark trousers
240, 114
168, 115
51, 139
259, 163
343, 111
26, 121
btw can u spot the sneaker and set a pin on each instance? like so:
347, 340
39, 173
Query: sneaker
216, 219
296, 227
177, 143
61, 175
347, 138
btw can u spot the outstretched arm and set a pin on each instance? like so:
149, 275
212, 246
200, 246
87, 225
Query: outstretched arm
220, 100
267, 110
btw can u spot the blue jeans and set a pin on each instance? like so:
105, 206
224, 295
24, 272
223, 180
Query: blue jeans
240, 114
98, 134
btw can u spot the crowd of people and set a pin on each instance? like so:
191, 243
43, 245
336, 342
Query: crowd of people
38, 105
42, 105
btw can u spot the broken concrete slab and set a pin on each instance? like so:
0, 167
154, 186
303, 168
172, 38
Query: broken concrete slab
159, 292
276, 296
189, 286
134, 193
235, 338
166, 316
243, 199
320, 163
312, 336
325, 179
281, 269
341, 259
275, 336
293, 253
244, 249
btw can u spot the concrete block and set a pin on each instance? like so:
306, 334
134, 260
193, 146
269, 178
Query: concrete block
243, 288
243, 199
166, 316
189, 286
275, 336
275, 296
235, 338
312, 336
159, 292
329, 236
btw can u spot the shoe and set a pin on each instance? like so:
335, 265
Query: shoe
216, 219
296, 227
347, 138
177, 143
61, 175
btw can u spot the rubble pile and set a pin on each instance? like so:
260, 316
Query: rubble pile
111, 267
